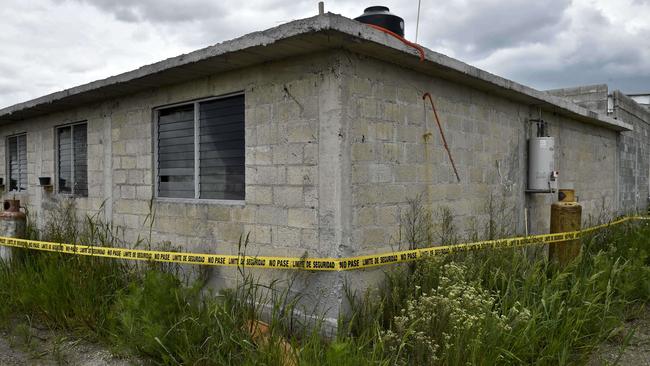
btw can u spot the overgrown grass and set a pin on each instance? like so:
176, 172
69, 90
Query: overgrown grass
500, 307
487, 307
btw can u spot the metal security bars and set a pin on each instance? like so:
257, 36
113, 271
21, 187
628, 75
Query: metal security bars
176, 152
17, 162
200, 150
72, 159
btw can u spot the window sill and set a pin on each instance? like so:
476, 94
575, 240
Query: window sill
198, 201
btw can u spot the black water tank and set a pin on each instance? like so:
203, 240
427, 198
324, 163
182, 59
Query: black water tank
381, 16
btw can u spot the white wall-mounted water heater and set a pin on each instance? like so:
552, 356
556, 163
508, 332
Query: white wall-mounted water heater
542, 176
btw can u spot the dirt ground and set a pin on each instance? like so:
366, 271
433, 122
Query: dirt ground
636, 334
31, 345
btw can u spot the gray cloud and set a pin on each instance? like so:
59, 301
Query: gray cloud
52, 46
49, 45
198, 23
476, 28
165, 11
593, 49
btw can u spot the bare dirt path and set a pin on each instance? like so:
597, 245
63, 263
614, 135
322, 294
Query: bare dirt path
637, 350
30, 345
33, 345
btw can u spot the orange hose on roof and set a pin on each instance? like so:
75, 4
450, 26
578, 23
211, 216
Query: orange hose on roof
404, 40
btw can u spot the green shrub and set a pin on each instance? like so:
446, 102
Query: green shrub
440, 326
502, 307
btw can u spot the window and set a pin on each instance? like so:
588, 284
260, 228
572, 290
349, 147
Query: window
17, 162
72, 159
200, 149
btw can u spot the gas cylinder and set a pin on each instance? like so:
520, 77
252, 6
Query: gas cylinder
12, 224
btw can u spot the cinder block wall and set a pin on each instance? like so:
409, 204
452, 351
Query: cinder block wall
633, 151
336, 144
593, 97
397, 153
41, 159
586, 158
293, 179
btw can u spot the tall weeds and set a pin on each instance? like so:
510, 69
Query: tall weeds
486, 307
149, 310
500, 307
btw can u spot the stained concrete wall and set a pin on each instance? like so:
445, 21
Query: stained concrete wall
397, 153
336, 144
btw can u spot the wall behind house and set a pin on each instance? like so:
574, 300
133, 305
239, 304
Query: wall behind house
633, 164
593, 97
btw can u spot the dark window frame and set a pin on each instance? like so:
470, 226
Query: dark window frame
8, 163
196, 143
73, 189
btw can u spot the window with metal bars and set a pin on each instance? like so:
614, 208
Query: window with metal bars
200, 149
72, 159
17, 162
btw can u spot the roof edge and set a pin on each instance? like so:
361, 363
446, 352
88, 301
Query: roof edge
259, 38
466, 73
533, 96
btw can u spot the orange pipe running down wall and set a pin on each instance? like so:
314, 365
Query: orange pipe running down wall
442, 134
422, 58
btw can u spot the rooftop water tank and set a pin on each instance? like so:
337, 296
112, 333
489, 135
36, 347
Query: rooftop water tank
381, 16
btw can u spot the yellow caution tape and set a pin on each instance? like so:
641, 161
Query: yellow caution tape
310, 264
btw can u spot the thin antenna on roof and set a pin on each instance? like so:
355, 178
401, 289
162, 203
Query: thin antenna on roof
321, 8
417, 22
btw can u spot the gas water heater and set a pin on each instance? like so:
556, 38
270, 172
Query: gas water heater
542, 176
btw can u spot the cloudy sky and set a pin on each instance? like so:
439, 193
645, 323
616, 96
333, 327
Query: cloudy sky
49, 45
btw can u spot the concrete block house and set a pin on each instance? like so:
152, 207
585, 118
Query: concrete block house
310, 137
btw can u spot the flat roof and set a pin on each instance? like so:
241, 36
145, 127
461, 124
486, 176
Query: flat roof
318, 33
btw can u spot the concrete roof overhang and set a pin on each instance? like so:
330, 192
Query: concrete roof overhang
328, 31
